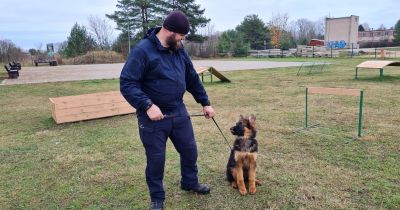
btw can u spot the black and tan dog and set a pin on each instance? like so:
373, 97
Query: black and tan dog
241, 166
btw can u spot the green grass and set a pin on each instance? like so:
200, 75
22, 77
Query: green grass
99, 164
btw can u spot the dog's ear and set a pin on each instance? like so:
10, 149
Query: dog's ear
241, 118
252, 120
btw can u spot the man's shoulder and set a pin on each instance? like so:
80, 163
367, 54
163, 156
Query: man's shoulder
145, 44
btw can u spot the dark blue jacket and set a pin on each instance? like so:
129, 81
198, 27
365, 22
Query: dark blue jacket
154, 74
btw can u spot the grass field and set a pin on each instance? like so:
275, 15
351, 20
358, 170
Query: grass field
100, 164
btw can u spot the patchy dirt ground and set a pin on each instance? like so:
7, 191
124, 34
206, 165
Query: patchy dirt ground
44, 74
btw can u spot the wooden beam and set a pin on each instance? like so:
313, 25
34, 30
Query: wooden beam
335, 91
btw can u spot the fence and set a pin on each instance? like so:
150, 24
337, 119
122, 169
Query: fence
318, 52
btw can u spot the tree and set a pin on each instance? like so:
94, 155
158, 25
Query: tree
9, 51
366, 26
303, 30
79, 41
286, 41
361, 28
137, 16
231, 42
278, 25
194, 14
121, 43
253, 31
396, 40
102, 31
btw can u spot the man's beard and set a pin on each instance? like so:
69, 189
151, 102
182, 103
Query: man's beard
173, 44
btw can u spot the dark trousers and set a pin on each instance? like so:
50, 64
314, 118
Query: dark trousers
154, 136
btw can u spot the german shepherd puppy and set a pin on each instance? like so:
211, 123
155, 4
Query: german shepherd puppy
241, 165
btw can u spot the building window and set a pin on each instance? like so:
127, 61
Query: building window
386, 33
371, 34
363, 34
378, 33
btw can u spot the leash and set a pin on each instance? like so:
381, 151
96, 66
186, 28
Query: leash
202, 115
215, 122
190, 115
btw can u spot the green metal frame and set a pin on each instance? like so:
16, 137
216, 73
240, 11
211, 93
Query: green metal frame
359, 113
380, 72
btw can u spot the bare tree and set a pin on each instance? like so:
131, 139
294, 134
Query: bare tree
366, 26
9, 51
305, 30
102, 31
278, 26
320, 28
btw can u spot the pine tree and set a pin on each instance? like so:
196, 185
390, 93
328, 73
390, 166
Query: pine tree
137, 16
254, 31
231, 42
194, 14
79, 41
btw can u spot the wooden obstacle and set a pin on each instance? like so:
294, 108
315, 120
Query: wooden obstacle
376, 65
212, 71
89, 106
99, 105
337, 91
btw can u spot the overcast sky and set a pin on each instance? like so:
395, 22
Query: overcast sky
30, 23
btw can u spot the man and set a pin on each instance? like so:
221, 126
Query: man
154, 79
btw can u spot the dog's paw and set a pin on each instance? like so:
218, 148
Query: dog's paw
243, 192
252, 190
234, 185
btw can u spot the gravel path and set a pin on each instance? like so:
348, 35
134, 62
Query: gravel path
44, 74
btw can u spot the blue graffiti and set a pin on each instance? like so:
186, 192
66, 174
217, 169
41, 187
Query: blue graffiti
337, 44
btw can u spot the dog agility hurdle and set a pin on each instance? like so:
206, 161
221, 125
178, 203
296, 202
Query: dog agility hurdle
337, 91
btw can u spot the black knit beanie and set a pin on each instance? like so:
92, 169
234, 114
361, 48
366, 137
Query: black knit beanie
177, 22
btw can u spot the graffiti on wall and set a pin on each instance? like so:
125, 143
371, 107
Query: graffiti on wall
337, 44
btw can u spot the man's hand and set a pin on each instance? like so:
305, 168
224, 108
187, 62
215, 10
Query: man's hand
208, 112
155, 113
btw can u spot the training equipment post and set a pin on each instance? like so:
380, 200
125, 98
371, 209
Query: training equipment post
338, 91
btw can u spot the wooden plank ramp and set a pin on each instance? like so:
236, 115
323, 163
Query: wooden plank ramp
89, 106
213, 71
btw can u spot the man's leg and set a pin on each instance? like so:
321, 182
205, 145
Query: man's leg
154, 142
182, 137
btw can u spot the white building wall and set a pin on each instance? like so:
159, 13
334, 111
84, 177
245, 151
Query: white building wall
341, 32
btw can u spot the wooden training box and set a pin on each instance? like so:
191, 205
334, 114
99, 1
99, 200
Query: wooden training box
89, 106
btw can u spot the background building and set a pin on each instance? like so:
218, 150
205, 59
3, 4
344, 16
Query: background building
376, 38
341, 32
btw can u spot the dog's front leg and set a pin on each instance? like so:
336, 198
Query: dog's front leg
252, 174
239, 177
